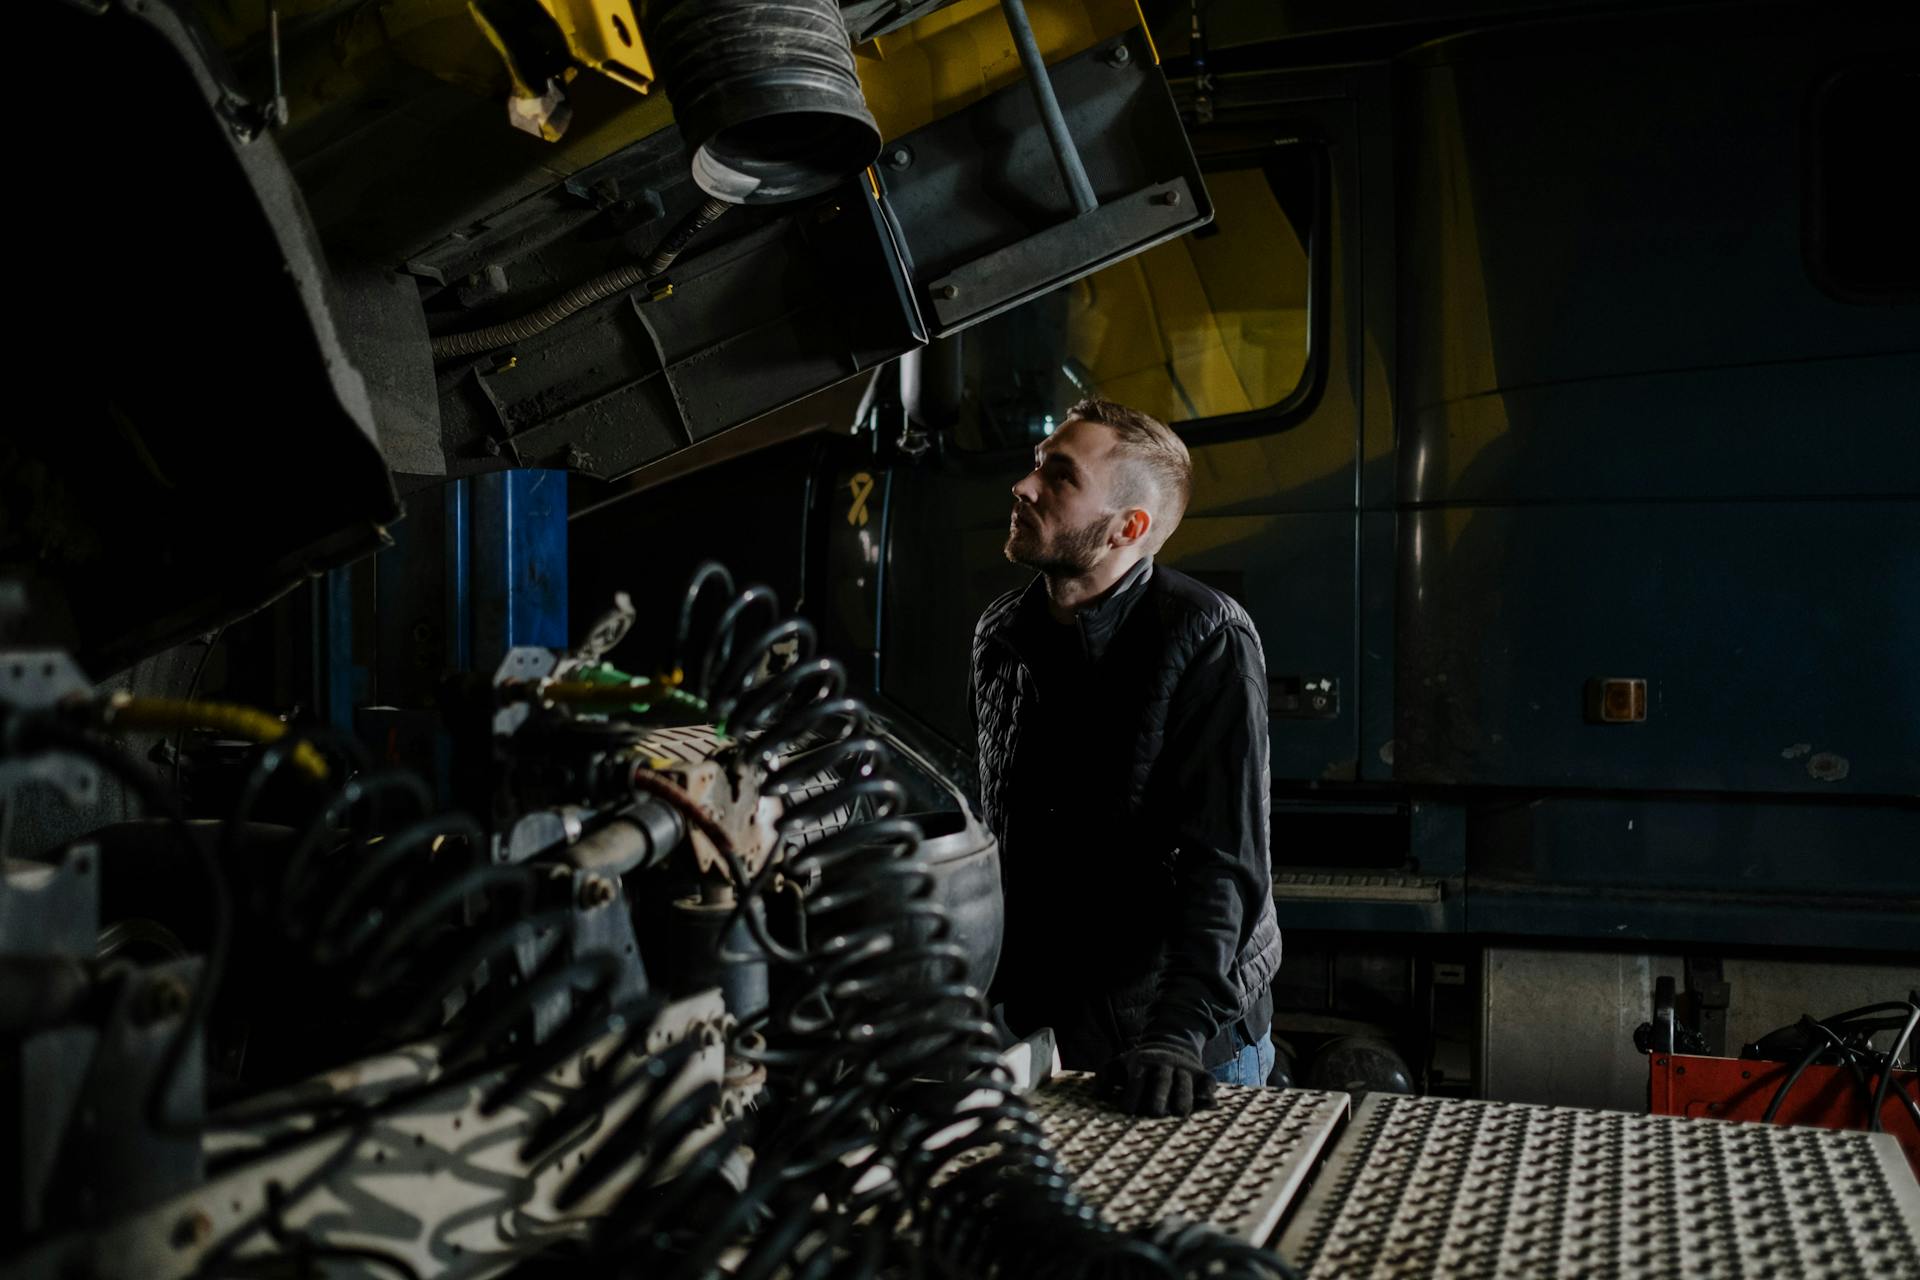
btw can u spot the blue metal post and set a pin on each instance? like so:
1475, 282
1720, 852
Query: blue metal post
339, 678
518, 570
458, 499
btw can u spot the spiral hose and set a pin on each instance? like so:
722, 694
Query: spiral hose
900, 1130
897, 1139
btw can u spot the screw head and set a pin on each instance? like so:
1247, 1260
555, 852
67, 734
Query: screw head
947, 291
596, 891
899, 157
194, 1229
162, 998
1119, 56
1168, 198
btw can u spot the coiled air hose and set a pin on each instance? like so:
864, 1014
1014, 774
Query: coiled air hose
899, 1135
897, 1140
402, 917
581, 296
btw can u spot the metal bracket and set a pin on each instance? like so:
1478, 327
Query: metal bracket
36, 680
983, 214
1066, 251
1710, 995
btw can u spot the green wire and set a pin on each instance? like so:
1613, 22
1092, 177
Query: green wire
608, 675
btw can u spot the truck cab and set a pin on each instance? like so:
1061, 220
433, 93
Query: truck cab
1550, 383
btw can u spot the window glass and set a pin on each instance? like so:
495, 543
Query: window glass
1208, 325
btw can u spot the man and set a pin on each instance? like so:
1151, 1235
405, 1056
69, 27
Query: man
1122, 718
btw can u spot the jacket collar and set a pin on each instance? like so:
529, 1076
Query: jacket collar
1096, 624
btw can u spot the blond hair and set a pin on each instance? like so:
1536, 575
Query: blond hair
1156, 471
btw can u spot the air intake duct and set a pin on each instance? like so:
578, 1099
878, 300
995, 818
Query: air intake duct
765, 93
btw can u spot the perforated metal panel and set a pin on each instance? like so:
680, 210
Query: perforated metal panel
1236, 1166
1428, 1187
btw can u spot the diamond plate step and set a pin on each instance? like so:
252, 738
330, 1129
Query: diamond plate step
1236, 1166
1432, 1187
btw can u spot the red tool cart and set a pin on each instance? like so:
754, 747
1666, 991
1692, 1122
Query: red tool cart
1740, 1089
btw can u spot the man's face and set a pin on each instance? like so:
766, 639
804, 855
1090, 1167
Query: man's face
1062, 509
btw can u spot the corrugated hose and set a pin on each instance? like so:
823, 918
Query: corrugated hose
453, 345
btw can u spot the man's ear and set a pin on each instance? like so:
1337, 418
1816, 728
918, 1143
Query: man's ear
1134, 525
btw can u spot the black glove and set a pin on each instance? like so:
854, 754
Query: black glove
1156, 1080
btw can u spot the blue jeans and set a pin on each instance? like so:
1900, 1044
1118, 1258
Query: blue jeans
1252, 1062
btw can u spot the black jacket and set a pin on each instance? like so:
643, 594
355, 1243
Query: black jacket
1123, 767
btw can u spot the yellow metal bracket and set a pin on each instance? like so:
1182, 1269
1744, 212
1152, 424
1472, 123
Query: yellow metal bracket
605, 35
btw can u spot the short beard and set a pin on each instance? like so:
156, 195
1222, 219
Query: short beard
1066, 555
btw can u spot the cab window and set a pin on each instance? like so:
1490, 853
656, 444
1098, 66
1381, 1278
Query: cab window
1211, 326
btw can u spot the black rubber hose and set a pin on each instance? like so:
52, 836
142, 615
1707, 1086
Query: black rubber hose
320, 829
558, 1048
608, 1081
709, 572
1814, 1050
766, 94
349, 922
1887, 1068
472, 343
724, 628
389, 959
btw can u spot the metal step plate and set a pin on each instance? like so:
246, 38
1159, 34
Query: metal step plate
1236, 1166
1431, 1187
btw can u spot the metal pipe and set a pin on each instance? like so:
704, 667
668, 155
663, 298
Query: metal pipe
1065, 154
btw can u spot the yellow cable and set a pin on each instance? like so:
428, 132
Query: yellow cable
584, 693
170, 714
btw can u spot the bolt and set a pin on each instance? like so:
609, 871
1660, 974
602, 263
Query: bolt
1119, 56
162, 998
1167, 198
193, 1230
596, 891
899, 158
947, 291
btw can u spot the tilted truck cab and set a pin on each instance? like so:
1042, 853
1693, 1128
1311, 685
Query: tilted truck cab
1551, 388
